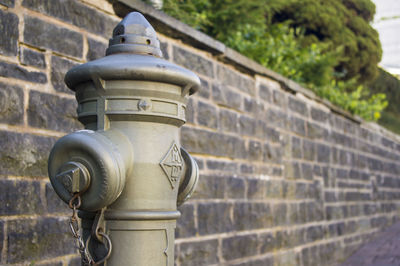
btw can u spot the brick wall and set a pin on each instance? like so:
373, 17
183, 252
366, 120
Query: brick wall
286, 179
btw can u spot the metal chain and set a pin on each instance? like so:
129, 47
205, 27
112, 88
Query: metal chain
87, 259
74, 204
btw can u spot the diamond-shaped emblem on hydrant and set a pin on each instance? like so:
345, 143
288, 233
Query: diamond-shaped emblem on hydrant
172, 164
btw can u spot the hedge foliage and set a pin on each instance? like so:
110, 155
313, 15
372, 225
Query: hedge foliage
325, 45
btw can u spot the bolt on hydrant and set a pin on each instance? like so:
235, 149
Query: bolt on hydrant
126, 172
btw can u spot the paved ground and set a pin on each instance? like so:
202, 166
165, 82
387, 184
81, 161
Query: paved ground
383, 250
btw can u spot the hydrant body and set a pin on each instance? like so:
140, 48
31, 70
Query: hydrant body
128, 161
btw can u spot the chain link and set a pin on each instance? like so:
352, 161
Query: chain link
74, 204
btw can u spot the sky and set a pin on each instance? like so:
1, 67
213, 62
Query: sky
387, 22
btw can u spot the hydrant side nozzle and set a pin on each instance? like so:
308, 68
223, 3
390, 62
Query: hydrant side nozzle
103, 160
188, 182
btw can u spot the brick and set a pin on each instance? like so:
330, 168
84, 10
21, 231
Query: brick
228, 121
280, 214
52, 112
41, 238
33, 58
247, 86
336, 229
341, 139
277, 171
59, 68
296, 148
374, 164
267, 261
185, 226
247, 125
261, 129
256, 189
257, 216
277, 118
342, 173
293, 213
357, 196
164, 50
11, 104
250, 105
193, 62
265, 93
286, 258
292, 170
9, 70
380, 221
239, 247
314, 131
9, 29
314, 233
210, 216
235, 188
302, 213
247, 169
297, 106
207, 115
204, 90
348, 158
323, 153
319, 115
210, 187
279, 98
255, 152
234, 79
388, 143
320, 171
314, 211
75, 13
54, 203
222, 166
20, 197
272, 153
24, 154
268, 242
201, 141
330, 196
315, 190
309, 148
301, 190
199, 253
272, 135
295, 237
96, 49
190, 111
224, 96
333, 213
275, 189
45, 35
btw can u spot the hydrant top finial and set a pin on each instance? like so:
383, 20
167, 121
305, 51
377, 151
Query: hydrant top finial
133, 54
134, 34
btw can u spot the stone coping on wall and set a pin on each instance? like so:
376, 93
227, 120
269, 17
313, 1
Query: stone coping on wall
174, 28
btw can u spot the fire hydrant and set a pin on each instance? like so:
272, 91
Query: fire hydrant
126, 172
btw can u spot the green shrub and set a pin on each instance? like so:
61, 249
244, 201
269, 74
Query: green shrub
291, 48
